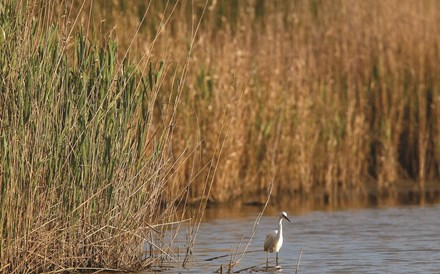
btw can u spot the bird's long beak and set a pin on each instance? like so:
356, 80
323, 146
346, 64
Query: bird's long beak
286, 218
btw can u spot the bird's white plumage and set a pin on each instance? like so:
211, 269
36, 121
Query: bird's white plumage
273, 242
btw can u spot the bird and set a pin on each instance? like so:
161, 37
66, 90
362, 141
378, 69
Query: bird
274, 240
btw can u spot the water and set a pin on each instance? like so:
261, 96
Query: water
377, 240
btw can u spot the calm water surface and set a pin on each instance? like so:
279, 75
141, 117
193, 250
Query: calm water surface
381, 240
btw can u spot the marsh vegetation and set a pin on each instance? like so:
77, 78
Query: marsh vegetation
331, 97
115, 117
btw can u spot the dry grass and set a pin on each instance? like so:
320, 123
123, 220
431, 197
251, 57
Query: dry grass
349, 88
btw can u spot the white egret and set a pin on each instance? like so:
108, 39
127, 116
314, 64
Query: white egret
274, 240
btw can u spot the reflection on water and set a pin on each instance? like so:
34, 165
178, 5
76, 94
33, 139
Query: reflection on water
377, 240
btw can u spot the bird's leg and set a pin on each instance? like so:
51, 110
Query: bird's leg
267, 259
277, 258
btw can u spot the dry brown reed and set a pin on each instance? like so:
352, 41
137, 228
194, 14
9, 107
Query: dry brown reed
352, 85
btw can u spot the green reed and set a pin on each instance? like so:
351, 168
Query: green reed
82, 171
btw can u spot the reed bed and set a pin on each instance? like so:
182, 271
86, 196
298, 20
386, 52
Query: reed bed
111, 115
348, 90
83, 167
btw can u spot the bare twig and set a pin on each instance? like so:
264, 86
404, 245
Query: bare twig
299, 259
226, 255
